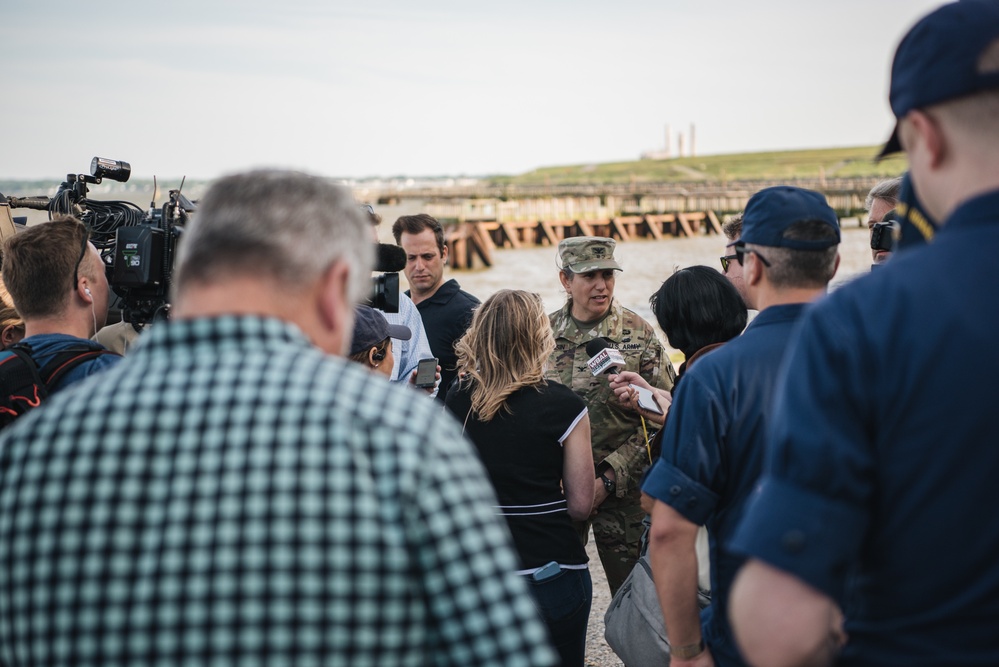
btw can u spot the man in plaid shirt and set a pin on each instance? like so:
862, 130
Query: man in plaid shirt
234, 494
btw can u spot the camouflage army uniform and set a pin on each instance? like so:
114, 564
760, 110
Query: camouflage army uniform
617, 436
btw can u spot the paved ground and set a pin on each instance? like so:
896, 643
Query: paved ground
598, 654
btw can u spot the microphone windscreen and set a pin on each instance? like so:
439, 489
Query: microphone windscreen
594, 346
389, 258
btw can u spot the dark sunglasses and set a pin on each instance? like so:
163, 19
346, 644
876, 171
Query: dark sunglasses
725, 261
83, 253
742, 250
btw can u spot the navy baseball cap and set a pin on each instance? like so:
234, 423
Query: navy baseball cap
371, 328
772, 210
949, 53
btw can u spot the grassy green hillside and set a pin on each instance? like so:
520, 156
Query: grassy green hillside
856, 162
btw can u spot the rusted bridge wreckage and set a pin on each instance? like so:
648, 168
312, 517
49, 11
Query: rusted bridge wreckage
479, 219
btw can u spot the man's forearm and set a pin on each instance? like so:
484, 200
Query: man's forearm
780, 620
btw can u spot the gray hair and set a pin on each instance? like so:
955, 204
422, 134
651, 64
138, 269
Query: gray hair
286, 225
887, 190
791, 268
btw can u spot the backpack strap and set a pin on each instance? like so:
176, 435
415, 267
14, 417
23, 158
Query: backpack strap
20, 372
65, 361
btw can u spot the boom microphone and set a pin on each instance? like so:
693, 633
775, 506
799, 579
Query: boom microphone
603, 357
389, 257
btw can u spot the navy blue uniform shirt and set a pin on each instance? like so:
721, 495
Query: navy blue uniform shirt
713, 449
882, 480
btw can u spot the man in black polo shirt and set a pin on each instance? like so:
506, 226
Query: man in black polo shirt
446, 309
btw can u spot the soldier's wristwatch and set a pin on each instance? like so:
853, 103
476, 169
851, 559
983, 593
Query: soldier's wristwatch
609, 484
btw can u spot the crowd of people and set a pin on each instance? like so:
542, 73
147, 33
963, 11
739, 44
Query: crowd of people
263, 480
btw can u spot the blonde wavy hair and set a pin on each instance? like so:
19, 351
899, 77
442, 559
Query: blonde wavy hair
9, 316
505, 349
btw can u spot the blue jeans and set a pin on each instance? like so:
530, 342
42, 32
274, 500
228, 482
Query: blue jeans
564, 603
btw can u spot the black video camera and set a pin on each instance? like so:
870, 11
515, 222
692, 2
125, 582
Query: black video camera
884, 233
882, 236
137, 246
390, 259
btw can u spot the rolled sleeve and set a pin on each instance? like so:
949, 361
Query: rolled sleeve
803, 533
672, 486
686, 475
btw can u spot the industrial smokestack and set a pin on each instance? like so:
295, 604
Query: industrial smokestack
693, 150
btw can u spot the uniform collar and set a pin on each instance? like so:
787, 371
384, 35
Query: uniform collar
787, 312
611, 326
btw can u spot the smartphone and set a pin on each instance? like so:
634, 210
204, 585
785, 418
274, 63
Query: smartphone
645, 399
546, 571
426, 372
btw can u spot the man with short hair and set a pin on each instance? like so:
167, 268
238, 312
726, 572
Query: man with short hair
235, 492
446, 309
409, 353
732, 228
880, 491
56, 279
881, 201
713, 441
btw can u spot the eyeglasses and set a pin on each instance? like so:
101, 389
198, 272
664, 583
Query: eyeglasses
367, 208
742, 250
83, 253
725, 261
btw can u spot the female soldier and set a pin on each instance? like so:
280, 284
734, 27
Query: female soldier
620, 441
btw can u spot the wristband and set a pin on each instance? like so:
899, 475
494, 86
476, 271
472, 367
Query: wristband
687, 652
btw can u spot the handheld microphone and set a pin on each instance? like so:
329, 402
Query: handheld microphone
390, 258
603, 357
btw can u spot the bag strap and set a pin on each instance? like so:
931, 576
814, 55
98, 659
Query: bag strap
26, 373
65, 361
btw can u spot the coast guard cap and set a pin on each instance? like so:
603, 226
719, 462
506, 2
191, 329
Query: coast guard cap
583, 254
772, 210
949, 53
371, 328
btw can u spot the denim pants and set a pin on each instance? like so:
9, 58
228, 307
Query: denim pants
564, 603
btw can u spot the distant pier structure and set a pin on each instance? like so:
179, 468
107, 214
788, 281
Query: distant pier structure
481, 218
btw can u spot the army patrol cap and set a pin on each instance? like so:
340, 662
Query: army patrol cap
583, 254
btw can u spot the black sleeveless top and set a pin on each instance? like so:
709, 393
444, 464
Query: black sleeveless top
522, 453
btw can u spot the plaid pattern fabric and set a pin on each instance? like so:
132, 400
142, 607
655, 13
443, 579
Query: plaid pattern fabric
229, 495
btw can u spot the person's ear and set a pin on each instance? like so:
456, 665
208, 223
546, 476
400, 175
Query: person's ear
10, 335
921, 131
565, 281
444, 255
83, 290
335, 308
371, 357
752, 269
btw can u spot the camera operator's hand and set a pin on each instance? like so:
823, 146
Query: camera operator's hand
431, 388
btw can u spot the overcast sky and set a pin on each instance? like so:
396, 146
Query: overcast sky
384, 88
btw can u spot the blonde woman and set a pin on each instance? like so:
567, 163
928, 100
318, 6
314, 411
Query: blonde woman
534, 439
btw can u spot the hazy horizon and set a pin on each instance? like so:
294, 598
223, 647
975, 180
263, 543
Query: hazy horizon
445, 88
